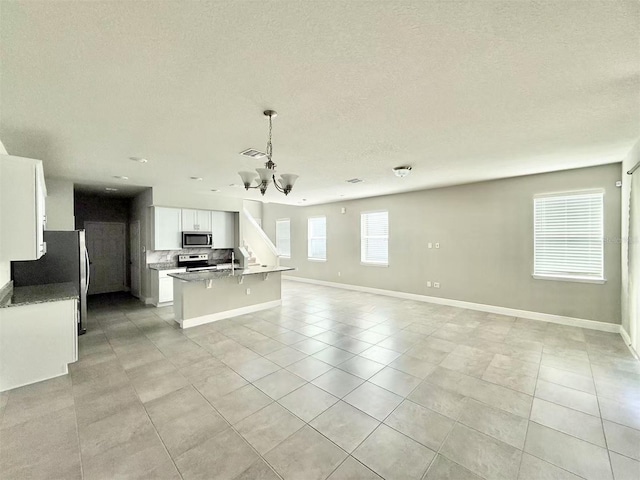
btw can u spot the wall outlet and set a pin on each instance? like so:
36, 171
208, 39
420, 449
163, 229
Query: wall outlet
437, 244
436, 284
429, 284
248, 291
429, 245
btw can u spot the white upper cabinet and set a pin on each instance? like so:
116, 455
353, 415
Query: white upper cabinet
167, 228
196, 220
22, 208
224, 229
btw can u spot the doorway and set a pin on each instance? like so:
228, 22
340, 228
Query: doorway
106, 245
134, 249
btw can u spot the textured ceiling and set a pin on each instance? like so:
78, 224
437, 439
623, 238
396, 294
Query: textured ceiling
461, 91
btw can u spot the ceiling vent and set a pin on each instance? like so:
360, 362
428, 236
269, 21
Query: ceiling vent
355, 180
253, 153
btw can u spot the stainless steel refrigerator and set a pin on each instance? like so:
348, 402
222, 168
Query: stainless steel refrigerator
66, 260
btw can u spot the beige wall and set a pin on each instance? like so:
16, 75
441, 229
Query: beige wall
5, 273
485, 232
59, 204
140, 211
171, 197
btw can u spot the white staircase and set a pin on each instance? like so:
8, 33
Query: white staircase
257, 248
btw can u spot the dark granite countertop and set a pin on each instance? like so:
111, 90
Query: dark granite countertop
52, 292
217, 274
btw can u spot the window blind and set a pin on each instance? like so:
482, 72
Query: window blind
374, 238
568, 236
317, 236
283, 237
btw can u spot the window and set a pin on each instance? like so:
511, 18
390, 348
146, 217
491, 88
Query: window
374, 238
318, 238
283, 237
568, 236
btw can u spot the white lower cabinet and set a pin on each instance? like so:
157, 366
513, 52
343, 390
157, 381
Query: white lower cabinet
162, 286
37, 342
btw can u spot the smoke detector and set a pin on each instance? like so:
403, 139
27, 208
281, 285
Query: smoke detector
402, 171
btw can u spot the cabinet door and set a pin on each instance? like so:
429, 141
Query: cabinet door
189, 220
204, 220
165, 289
223, 229
41, 215
168, 228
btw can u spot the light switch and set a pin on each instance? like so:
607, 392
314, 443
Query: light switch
436, 284
429, 284
437, 245
429, 245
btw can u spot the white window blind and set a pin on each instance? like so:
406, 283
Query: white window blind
568, 236
317, 238
283, 237
374, 238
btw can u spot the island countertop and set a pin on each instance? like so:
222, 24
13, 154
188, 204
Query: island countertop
206, 275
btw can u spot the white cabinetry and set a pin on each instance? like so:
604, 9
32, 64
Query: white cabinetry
196, 220
223, 229
37, 342
22, 208
162, 286
167, 228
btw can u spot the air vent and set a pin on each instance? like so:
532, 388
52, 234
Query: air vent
355, 180
253, 153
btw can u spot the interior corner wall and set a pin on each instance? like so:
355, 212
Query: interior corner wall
485, 231
629, 299
59, 204
254, 208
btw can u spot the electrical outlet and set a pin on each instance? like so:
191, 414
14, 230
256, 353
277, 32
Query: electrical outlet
429, 245
436, 284
437, 245
429, 284
248, 291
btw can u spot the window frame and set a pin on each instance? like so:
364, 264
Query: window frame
363, 261
310, 238
565, 277
288, 221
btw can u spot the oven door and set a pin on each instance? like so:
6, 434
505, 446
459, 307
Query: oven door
196, 240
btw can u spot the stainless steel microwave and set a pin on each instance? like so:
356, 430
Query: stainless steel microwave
197, 240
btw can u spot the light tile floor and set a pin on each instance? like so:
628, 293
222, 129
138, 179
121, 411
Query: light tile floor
334, 384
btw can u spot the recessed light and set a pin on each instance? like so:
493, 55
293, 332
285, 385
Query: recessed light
233, 185
121, 177
355, 180
402, 171
110, 189
304, 199
215, 190
197, 179
138, 159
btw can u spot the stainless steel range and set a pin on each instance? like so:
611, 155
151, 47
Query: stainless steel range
200, 261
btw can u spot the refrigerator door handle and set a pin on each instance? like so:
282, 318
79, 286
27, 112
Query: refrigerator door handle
88, 263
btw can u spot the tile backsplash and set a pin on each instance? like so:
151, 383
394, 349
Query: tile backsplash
164, 256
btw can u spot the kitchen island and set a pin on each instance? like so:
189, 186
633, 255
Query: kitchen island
207, 296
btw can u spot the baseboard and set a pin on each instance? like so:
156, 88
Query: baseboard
31, 382
628, 343
148, 301
543, 317
236, 312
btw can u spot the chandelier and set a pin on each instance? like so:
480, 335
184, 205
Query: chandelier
268, 174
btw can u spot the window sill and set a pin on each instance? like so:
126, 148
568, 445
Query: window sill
373, 264
285, 257
570, 279
317, 259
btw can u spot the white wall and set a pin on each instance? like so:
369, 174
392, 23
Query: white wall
140, 211
59, 204
485, 231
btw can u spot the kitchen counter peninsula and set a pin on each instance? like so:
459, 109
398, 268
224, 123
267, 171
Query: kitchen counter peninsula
207, 296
